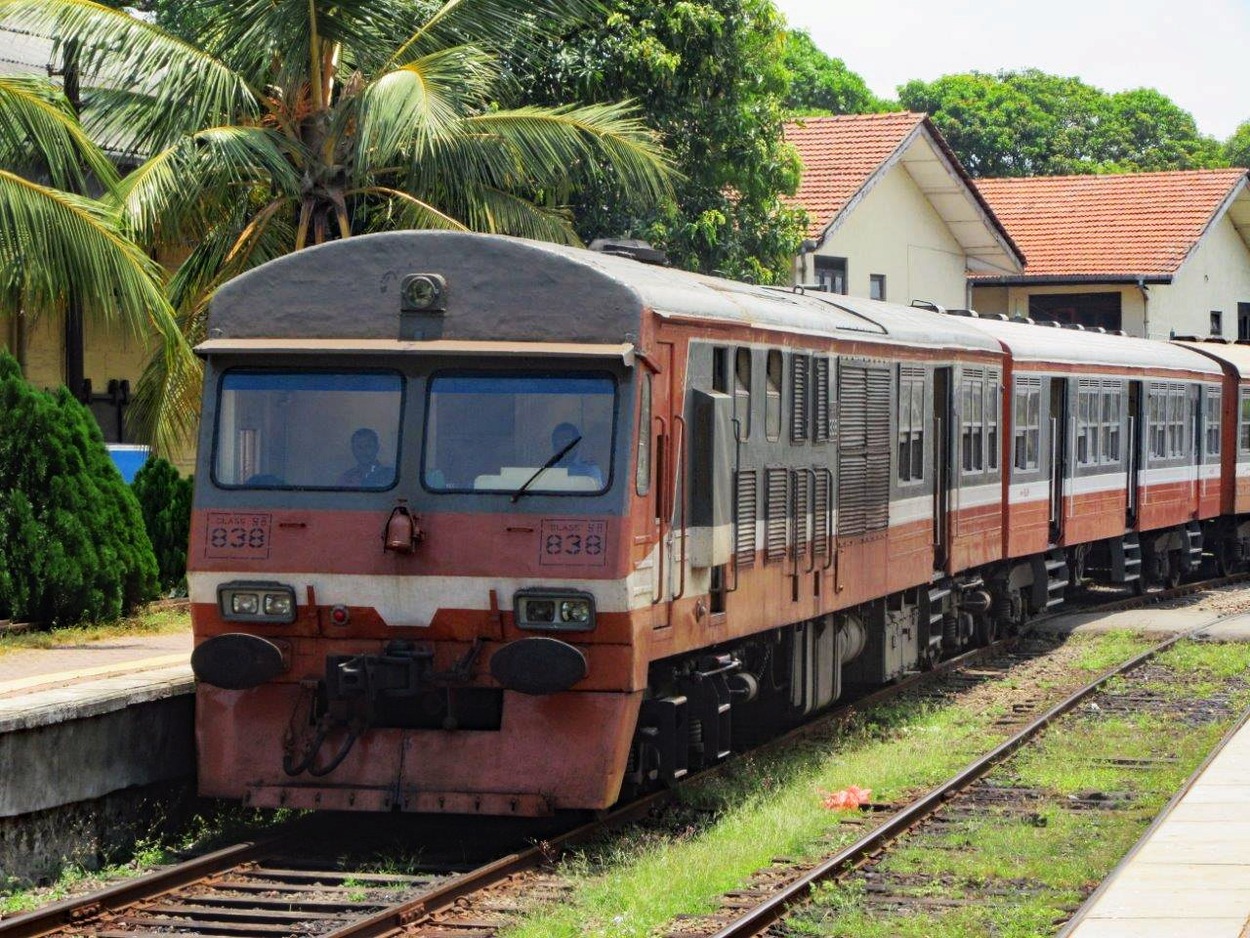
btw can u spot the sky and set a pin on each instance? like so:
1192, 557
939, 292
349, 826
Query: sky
1195, 51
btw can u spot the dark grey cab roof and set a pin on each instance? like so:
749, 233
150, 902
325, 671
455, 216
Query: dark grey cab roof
510, 289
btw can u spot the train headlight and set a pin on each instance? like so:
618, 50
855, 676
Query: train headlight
256, 602
554, 610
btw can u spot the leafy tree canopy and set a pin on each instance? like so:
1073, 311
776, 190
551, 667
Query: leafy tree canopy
1029, 123
710, 77
280, 124
1237, 147
821, 84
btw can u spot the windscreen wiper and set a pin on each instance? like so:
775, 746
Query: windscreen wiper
555, 458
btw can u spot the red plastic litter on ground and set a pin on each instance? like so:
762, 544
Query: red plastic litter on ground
848, 799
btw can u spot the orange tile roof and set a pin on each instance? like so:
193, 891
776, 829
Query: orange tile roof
839, 155
1121, 225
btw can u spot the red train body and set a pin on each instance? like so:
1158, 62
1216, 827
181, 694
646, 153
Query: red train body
486, 525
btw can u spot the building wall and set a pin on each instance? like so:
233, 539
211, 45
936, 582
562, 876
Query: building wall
895, 231
1216, 276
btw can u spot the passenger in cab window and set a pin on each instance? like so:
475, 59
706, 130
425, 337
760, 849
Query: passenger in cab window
368, 473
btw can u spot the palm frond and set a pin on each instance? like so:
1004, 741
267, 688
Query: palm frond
38, 129
55, 247
183, 190
494, 23
402, 210
188, 88
403, 110
499, 212
553, 144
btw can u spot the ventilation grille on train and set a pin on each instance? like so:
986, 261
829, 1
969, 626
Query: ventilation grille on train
863, 448
748, 504
776, 507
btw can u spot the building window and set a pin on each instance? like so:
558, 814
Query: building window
876, 286
911, 421
1243, 322
1090, 310
831, 273
1217, 322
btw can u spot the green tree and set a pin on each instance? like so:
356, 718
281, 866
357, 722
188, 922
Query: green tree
710, 77
165, 502
72, 542
59, 248
286, 124
821, 84
1030, 123
1237, 147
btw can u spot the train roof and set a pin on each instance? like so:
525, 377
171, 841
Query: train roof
528, 291
1034, 342
1236, 356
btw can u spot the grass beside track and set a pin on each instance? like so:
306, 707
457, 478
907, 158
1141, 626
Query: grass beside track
728, 829
156, 619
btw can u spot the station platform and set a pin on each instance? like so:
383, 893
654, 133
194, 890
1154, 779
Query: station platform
1189, 875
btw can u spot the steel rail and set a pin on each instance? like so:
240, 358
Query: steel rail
72, 912
769, 912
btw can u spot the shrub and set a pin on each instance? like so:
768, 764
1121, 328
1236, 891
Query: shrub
72, 543
165, 501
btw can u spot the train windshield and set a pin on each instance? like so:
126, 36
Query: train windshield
308, 430
496, 433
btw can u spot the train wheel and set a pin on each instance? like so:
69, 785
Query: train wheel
1226, 560
1172, 578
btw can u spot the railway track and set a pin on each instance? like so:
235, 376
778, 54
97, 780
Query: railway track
288, 884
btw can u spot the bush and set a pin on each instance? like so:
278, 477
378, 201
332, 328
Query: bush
72, 543
165, 501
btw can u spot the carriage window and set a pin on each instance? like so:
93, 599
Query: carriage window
1169, 409
308, 430
911, 420
1027, 422
1243, 428
488, 432
1112, 413
1212, 421
1088, 421
973, 417
993, 408
772, 405
742, 392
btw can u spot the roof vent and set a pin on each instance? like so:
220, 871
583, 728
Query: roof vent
1120, 332
1221, 339
997, 317
1099, 329
929, 305
962, 312
1185, 338
1050, 324
822, 287
1022, 320
632, 248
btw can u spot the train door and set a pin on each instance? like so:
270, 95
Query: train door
1133, 454
1058, 453
666, 430
943, 476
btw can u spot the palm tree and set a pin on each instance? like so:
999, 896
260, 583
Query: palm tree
59, 248
286, 123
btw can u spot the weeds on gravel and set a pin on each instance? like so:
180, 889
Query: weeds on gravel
155, 620
1016, 869
220, 824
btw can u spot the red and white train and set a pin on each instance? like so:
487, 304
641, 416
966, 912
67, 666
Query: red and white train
488, 525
